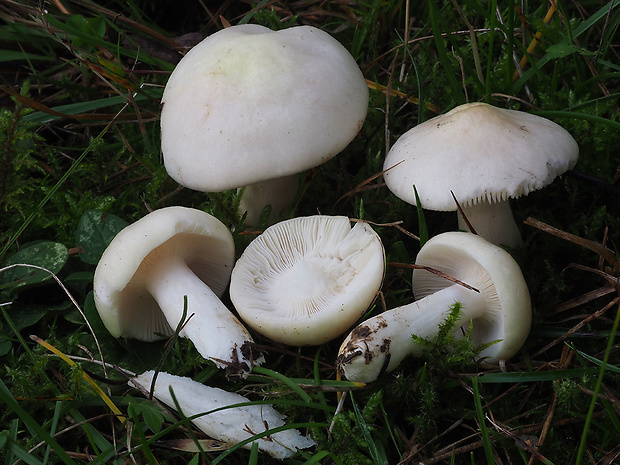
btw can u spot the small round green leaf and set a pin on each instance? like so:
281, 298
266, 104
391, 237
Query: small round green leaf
45, 254
94, 232
5, 348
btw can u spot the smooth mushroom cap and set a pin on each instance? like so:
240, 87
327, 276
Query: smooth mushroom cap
201, 240
249, 104
230, 424
493, 272
481, 153
306, 280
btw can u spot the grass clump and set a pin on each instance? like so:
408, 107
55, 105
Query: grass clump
79, 146
444, 359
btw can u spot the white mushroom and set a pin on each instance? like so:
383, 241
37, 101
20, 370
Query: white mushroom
249, 105
307, 280
499, 307
152, 265
223, 421
484, 155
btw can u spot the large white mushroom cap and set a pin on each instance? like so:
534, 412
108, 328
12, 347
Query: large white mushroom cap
307, 280
249, 104
481, 153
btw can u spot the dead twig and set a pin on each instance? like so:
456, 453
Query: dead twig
600, 249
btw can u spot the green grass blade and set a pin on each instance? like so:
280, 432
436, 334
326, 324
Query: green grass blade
12, 434
269, 432
611, 414
510, 46
316, 458
11, 446
186, 422
248, 17
453, 82
99, 442
319, 382
376, 450
577, 115
390, 428
422, 227
88, 429
596, 361
484, 432
595, 17
41, 117
490, 59
53, 426
253, 460
280, 377
597, 389
534, 376
608, 64
13, 55
15, 331
418, 80
7, 398
137, 427
333, 384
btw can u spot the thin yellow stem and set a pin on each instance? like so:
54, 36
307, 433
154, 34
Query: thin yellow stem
396, 93
535, 40
88, 379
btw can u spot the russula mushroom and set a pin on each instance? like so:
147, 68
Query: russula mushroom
484, 155
306, 280
149, 268
252, 107
499, 307
222, 420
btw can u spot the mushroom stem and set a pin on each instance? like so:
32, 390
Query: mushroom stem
277, 192
380, 343
494, 222
216, 333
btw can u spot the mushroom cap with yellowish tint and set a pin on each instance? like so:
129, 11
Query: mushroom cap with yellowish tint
307, 280
249, 104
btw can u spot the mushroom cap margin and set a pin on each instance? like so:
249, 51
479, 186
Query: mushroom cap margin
124, 305
494, 272
507, 153
307, 280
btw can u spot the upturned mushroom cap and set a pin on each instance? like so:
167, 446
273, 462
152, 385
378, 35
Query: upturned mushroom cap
498, 308
249, 104
306, 280
126, 308
222, 421
492, 271
481, 153
172, 260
